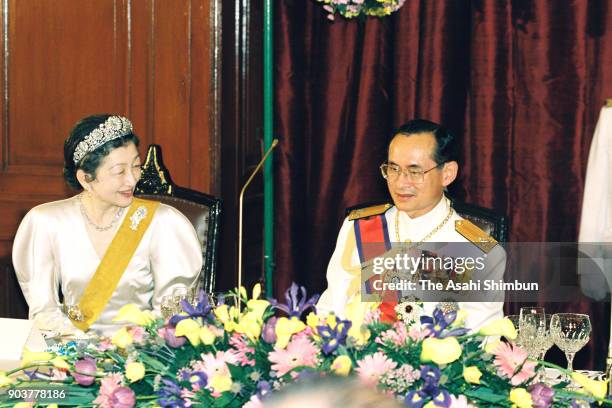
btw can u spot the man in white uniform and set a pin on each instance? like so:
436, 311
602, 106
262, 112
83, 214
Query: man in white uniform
421, 164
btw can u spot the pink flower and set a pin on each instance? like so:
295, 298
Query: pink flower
168, 334
396, 336
372, 316
58, 375
300, 352
84, 371
123, 397
508, 359
187, 397
137, 333
372, 367
417, 334
240, 343
212, 365
108, 385
105, 344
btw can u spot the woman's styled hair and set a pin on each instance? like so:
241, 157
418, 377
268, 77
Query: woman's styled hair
92, 160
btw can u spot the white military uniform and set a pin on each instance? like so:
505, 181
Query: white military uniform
344, 265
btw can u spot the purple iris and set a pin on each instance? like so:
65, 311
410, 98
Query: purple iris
202, 309
198, 378
333, 337
429, 391
170, 394
415, 399
440, 322
295, 307
442, 399
430, 376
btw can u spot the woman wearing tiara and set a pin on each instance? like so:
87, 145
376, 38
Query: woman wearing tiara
103, 248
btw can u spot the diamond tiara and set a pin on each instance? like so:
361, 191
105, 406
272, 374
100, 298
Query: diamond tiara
112, 128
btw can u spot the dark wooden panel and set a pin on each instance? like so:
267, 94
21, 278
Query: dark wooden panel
171, 109
64, 62
202, 114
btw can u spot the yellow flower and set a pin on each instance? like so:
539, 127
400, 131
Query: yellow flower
342, 365
472, 374
52, 406
331, 320
440, 351
257, 307
226, 316
500, 327
59, 362
190, 329
355, 311
594, 387
312, 320
256, 291
134, 371
132, 314
207, 336
243, 292
249, 324
122, 338
521, 398
5, 380
30, 357
490, 344
220, 383
23, 405
285, 328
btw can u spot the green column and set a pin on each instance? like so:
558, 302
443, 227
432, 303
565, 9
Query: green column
268, 126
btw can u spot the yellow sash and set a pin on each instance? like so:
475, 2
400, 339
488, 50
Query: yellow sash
117, 257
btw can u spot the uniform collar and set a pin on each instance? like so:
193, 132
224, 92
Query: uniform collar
415, 228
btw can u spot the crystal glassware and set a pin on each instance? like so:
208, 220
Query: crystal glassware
181, 293
167, 307
570, 332
545, 341
532, 325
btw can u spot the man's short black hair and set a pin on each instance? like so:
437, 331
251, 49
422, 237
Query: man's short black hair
446, 144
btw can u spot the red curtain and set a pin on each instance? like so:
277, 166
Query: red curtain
520, 82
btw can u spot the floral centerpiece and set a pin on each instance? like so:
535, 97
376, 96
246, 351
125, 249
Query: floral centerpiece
360, 8
227, 356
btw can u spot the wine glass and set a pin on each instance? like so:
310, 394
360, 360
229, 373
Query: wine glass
532, 325
167, 307
570, 332
181, 293
545, 341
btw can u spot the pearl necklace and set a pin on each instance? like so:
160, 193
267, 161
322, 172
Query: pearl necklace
93, 224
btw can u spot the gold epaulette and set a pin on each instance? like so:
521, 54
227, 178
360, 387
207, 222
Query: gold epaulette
608, 103
368, 211
475, 235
